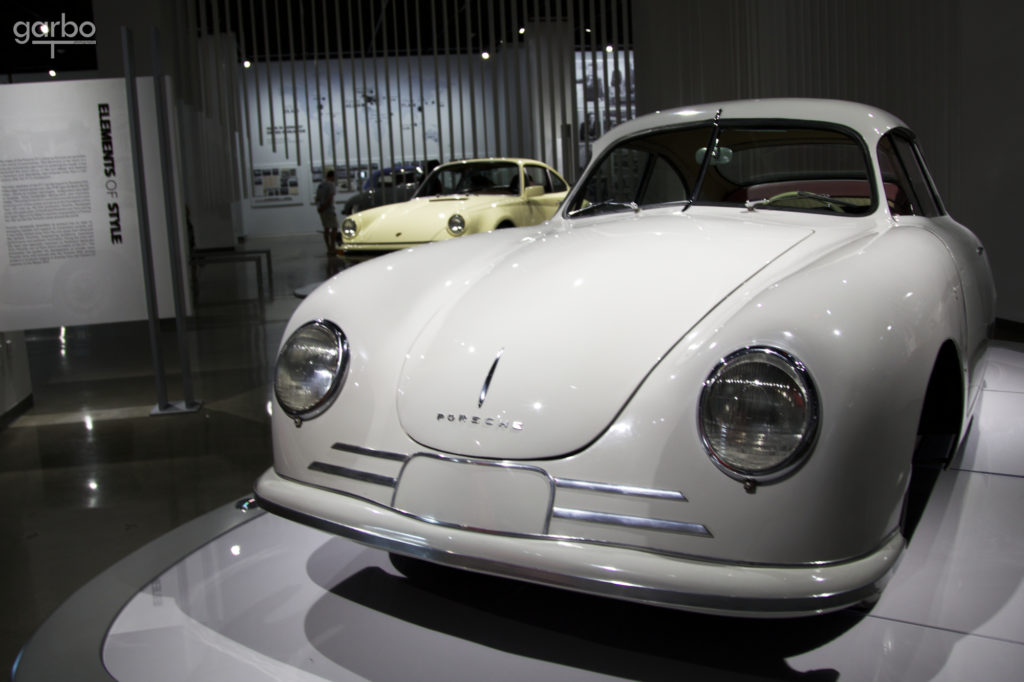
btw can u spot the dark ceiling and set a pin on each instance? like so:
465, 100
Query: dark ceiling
284, 29
293, 29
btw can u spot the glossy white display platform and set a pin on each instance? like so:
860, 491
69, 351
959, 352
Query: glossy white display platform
267, 599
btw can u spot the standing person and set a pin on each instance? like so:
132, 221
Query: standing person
325, 207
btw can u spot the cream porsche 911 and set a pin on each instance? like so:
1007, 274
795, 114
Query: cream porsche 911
457, 199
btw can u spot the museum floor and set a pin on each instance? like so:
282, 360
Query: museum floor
87, 477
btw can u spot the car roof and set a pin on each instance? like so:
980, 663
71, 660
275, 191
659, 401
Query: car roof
869, 121
508, 159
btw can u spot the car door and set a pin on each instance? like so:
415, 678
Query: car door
921, 206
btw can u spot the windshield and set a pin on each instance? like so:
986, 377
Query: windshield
478, 177
754, 166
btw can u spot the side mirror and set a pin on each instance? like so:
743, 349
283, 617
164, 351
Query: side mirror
533, 191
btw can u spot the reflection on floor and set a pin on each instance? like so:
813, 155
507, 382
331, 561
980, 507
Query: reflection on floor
87, 476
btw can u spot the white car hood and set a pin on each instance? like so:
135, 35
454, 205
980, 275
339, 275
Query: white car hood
578, 317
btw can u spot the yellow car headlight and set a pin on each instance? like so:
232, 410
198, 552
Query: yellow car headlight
348, 228
456, 225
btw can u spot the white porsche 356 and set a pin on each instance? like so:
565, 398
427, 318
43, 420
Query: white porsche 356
706, 383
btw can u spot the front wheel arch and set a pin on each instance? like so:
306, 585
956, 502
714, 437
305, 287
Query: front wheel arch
938, 433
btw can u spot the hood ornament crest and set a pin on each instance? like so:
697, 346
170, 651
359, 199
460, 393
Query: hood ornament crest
497, 422
487, 381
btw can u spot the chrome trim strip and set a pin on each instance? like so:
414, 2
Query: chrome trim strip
686, 527
631, 490
380, 454
816, 603
591, 541
366, 477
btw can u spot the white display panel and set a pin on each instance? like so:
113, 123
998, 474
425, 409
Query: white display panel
69, 246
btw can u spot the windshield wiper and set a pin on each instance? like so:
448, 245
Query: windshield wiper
610, 203
800, 194
709, 151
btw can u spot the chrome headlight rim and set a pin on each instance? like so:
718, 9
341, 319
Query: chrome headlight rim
339, 371
797, 457
456, 225
349, 228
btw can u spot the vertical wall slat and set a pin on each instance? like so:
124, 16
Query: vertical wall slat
280, 79
419, 62
508, 52
628, 56
398, 63
595, 29
379, 161
199, 119
295, 86
448, 80
316, 80
341, 89
387, 87
459, 80
247, 121
266, 56
255, 70
584, 123
305, 84
412, 95
493, 72
472, 58
365, 99
330, 87
355, 96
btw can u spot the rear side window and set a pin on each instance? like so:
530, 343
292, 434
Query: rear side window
557, 185
538, 175
908, 187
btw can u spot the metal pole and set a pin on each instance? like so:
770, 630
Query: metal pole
190, 404
128, 54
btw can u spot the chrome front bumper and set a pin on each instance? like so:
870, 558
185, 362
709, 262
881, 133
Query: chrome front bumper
603, 569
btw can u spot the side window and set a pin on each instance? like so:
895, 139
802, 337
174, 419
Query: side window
616, 180
906, 184
557, 185
664, 184
536, 175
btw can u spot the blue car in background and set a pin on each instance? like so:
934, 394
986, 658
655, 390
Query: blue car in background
388, 186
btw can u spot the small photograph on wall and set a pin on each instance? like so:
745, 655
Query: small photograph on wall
275, 186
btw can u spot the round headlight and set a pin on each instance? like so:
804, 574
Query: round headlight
758, 413
310, 369
456, 225
348, 228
